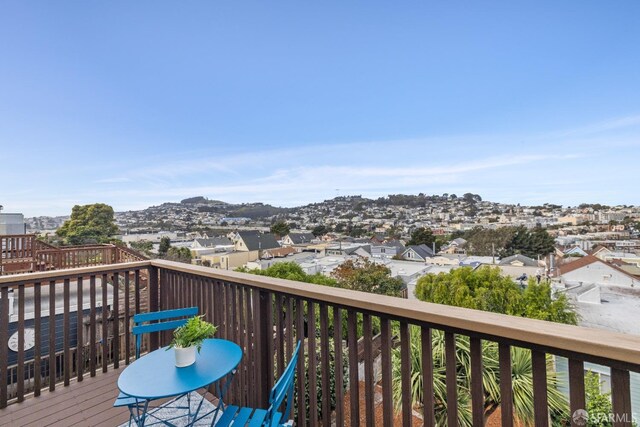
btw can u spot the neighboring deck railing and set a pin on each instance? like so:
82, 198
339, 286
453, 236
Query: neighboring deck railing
24, 253
267, 316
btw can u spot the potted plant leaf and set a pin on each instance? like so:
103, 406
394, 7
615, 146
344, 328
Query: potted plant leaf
189, 337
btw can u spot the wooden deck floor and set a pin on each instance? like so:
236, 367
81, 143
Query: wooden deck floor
85, 403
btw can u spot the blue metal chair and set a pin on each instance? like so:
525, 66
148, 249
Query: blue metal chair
271, 417
163, 323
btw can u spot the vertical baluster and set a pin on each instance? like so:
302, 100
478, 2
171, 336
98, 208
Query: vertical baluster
242, 340
229, 310
279, 335
339, 367
576, 386
302, 418
289, 323
428, 403
268, 316
66, 333
154, 298
369, 393
477, 393
92, 325
4, 350
405, 369
324, 365
52, 335
234, 333
137, 291
116, 321
621, 398
251, 349
540, 404
313, 370
386, 367
105, 329
20, 361
37, 327
262, 332
451, 378
352, 342
127, 314
234, 313
506, 390
80, 332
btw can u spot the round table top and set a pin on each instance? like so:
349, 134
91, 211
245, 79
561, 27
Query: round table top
155, 375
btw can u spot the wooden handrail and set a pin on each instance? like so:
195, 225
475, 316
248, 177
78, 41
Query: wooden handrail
574, 339
44, 276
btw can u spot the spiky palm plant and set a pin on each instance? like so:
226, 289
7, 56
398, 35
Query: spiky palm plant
522, 380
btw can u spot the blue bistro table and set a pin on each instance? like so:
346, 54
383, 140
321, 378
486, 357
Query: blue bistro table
155, 376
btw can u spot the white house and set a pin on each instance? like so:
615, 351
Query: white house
590, 269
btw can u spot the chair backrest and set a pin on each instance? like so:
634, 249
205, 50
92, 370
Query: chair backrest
283, 388
179, 316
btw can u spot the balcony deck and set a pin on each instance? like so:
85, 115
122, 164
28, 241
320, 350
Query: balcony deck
88, 402
371, 339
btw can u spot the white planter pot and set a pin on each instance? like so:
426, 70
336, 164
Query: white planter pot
185, 356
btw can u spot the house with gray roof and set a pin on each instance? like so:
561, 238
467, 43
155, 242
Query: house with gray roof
211, 242
253, 240
387, 250
292, 239
519, 260
417, 253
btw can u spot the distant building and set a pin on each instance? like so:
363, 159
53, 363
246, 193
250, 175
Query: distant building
12, 223
417, 253
298, 239
592, 270
253, 240
519, 260
387, 250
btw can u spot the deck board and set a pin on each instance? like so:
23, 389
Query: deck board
85, 403
82, 403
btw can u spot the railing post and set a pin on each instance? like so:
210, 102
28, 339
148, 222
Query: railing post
153, 295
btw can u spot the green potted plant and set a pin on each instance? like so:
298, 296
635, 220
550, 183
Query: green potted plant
189, 337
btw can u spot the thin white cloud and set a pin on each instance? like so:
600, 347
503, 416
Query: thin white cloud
602, 126
520, 166
114, 180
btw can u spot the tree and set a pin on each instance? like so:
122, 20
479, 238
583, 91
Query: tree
89, 224
291, 271
320, 230
178, 254
598, 403
165, 244
529, 243
422, 236
280, 229
486, 289
144, 246
366, 276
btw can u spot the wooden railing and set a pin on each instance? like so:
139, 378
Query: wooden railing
267, 316
100, 299
25, 253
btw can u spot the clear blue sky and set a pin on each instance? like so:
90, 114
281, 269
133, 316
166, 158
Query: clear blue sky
137, 103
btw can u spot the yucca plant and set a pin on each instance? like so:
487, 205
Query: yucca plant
521, 377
